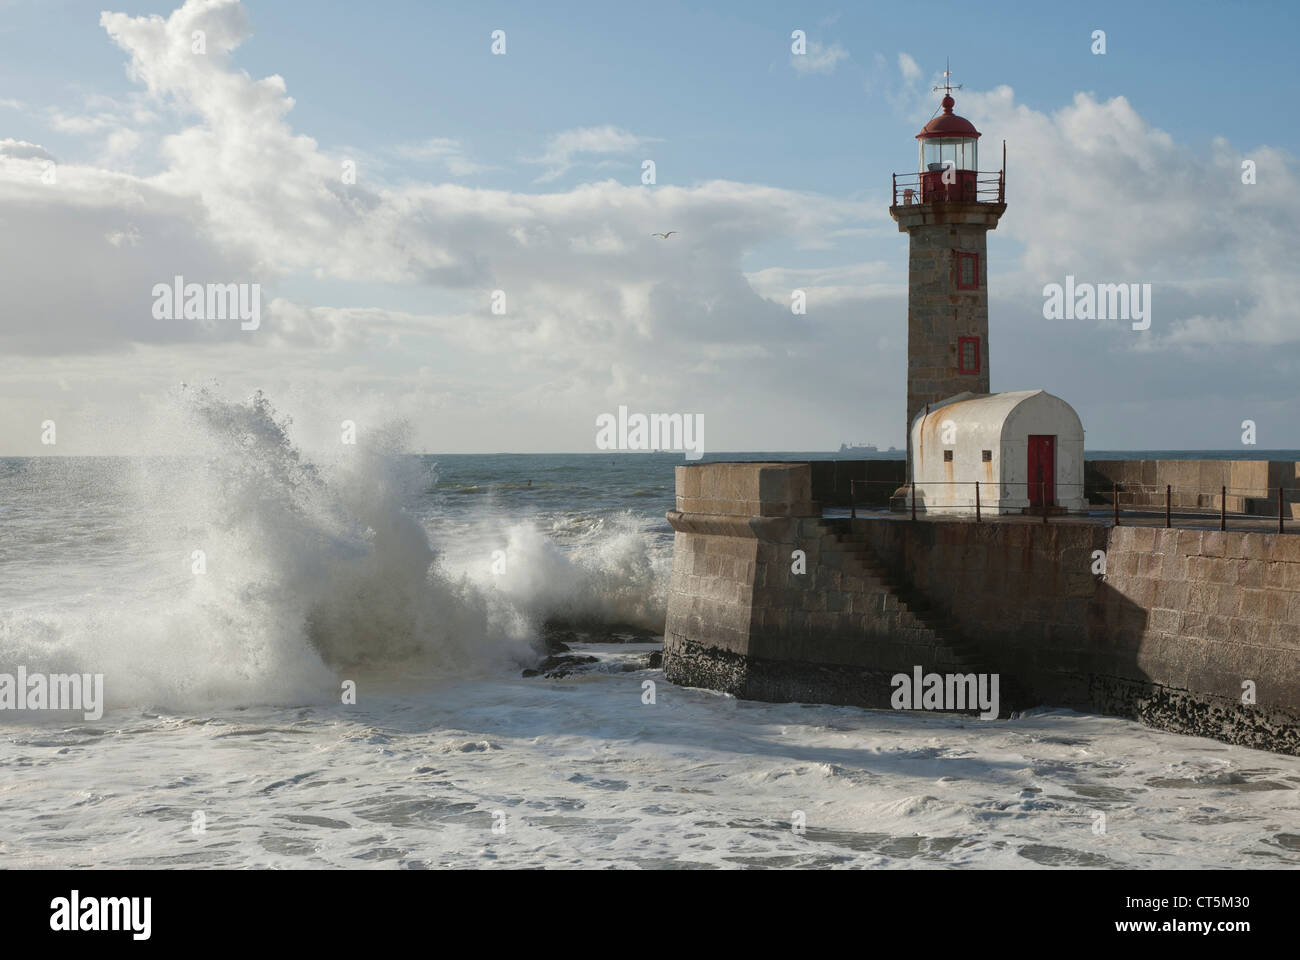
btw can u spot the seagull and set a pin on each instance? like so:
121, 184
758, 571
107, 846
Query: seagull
663, 236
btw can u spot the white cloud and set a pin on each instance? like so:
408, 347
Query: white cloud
129, 236
119, 146
253, 201
828, 285
598, 313
22, 150
460, 166
82, 123
445, 151
1096, 191
819, 58
435, 147
562, 149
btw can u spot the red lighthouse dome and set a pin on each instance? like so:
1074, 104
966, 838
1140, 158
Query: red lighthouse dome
948, 124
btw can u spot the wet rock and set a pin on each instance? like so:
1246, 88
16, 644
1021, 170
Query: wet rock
553, 668
557, 637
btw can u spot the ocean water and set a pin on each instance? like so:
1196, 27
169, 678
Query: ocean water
432, 584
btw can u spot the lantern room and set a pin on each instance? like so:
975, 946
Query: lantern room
949, 147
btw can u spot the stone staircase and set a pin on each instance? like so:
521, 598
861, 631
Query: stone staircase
955, 653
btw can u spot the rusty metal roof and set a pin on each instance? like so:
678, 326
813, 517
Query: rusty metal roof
948, 124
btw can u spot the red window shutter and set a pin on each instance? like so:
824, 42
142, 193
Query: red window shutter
968, 271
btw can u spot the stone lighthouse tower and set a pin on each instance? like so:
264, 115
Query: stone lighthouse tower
946, 209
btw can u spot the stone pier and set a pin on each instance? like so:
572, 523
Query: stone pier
771, 601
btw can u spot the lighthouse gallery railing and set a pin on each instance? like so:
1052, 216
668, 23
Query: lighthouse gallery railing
966, 186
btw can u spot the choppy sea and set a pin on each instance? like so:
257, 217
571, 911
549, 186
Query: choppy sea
231, 594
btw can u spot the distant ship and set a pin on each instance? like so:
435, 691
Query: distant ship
859, 448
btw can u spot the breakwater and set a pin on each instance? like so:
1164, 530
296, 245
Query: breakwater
1194, 631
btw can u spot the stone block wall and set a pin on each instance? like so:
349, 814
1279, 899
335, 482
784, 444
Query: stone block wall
746, 490
1222, 607
1168, 634
832, 481
776, 607
1252, 484
1021, 590
938, 312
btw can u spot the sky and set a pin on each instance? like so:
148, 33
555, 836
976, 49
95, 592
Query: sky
386, 178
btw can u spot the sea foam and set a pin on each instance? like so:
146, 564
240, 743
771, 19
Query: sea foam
262, 575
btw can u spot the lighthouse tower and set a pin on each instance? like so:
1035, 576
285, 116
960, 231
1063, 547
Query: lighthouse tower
946, 209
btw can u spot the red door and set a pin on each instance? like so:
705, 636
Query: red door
1042, 470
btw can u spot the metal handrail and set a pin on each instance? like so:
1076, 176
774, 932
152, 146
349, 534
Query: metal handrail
990, 187
1115, 489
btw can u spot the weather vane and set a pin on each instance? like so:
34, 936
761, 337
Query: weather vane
947, 78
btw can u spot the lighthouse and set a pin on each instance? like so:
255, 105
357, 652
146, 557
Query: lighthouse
947, 208
1024, 448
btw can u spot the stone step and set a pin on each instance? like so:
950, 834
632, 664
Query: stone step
946, 632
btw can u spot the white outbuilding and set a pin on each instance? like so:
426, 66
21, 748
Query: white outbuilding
1021, 448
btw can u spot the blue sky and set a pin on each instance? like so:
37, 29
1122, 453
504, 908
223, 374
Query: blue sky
444, 131
712, 82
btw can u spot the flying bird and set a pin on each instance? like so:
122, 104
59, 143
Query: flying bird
663, 236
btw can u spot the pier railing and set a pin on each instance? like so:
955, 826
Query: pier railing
967, 186
1097, 497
